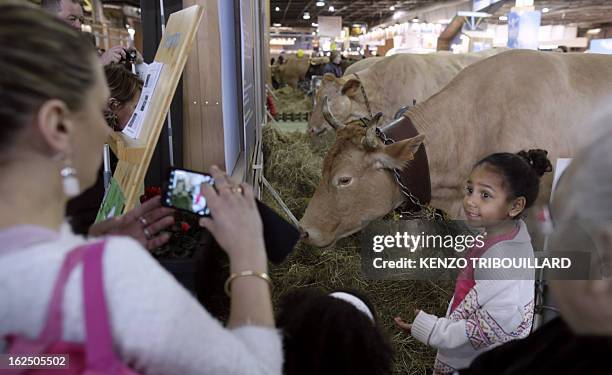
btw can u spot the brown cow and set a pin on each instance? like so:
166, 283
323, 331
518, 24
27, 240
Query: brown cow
513, 101
292, 71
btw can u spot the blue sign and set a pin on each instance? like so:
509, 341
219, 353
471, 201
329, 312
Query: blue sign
514, 21
524, 29
601, 46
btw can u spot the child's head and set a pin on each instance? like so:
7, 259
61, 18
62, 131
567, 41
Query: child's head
501, 186
332, 334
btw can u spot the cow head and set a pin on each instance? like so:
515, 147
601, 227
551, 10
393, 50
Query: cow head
344, 98
357, 185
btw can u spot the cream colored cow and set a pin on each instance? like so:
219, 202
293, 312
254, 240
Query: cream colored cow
389, 84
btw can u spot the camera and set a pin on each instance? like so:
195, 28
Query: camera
129, 59
130, 56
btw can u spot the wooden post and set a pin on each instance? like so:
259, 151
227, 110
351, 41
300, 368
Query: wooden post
135, 154
203, 117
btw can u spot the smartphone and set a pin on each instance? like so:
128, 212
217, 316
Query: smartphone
182, 192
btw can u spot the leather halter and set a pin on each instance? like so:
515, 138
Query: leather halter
419, 183
365, 97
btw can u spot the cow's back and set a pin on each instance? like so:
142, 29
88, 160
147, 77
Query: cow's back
362, 65
509, 102
400, 79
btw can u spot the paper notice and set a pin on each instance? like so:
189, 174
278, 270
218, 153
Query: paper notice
136, 123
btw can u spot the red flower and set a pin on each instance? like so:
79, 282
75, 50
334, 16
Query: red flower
150, 192
185, 226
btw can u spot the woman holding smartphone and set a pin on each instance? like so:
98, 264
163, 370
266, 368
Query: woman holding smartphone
52, 97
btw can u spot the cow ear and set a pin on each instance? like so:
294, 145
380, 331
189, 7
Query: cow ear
397, 154
351, 87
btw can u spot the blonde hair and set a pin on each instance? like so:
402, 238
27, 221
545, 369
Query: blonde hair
41, 58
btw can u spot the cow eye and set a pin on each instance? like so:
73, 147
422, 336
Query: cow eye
343, 181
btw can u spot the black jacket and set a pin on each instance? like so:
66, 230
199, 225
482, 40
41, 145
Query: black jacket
552, 349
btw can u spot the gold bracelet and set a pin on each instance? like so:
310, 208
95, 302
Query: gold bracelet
233, 276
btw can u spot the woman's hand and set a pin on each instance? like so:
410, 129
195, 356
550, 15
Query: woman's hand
142, 224
235, 222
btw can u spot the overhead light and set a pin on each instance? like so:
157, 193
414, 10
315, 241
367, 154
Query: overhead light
314, 33
356, 25
282, 41
444, 21
416, 20
545, 10
276, 24
320, 3
306, 16
398, 14
314, 24
331, 8
277, 9
593, 31
503, 18
392, 8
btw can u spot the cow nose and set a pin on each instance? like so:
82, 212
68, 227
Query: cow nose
303, 233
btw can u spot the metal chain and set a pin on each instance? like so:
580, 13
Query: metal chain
427, 211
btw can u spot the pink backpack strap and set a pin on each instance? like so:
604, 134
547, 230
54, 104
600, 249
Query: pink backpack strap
100, 353
98, 337
53, 329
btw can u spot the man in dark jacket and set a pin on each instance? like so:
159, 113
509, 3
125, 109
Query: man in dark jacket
333, 66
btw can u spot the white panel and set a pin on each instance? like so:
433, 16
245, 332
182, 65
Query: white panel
330, 26
231, 122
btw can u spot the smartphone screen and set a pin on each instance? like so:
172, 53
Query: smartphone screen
183, 191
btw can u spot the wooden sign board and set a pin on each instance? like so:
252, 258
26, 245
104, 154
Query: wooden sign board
135, 154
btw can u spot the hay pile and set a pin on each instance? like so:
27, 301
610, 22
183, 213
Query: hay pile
290, 100
293, 168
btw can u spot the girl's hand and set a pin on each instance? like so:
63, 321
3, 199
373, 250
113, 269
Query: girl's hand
403, 326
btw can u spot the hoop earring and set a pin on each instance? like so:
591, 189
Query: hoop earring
70, 182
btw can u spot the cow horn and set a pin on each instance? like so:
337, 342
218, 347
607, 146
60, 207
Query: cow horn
329, 117
370, 141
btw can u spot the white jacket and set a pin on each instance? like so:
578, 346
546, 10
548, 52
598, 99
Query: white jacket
494, 311
157, 326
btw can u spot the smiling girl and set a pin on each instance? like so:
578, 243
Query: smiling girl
489, 306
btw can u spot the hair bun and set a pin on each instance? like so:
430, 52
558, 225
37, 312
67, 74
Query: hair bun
538, 159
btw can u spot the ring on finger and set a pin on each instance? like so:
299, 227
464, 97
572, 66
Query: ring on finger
237, 189
147, 233
143, 221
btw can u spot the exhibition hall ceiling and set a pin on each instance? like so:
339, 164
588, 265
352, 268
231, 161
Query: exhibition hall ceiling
373, 12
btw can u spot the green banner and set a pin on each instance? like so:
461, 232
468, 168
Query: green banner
113, 202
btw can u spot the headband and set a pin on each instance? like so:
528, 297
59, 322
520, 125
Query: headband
355, 301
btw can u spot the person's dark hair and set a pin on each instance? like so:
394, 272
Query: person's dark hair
41, 58
122, 83
327, 335
521, 172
